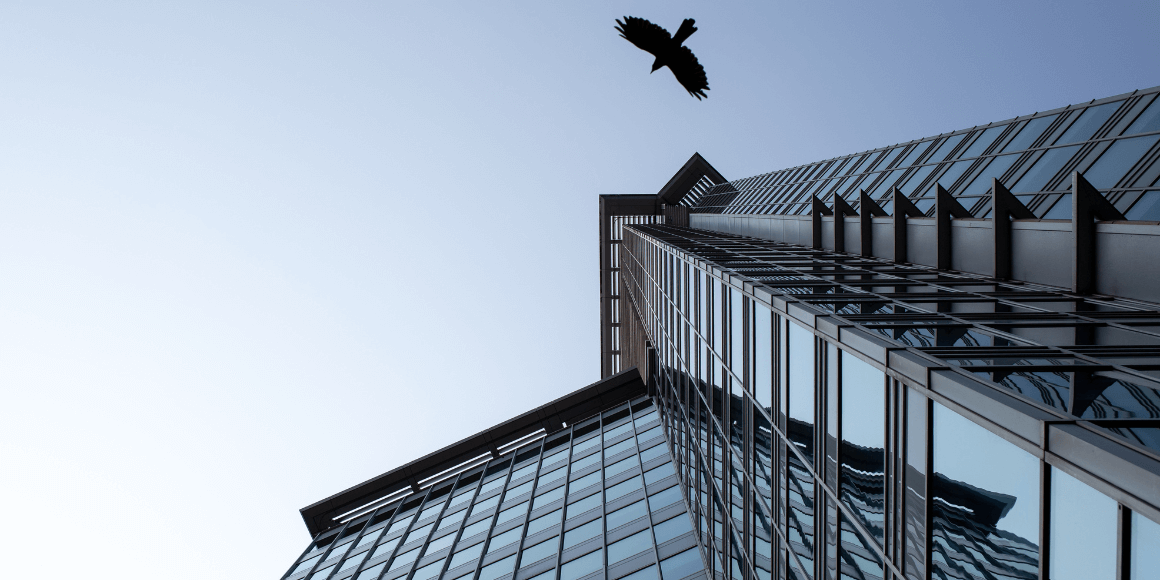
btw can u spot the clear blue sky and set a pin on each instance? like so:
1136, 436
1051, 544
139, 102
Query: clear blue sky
254, 253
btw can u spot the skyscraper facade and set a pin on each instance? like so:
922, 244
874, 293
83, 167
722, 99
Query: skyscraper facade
938, 359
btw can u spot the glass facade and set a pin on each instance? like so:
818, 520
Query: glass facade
597, 500
804, 453
1113, 142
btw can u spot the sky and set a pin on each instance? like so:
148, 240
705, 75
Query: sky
254, 253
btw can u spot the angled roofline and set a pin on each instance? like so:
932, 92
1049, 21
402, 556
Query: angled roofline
686, 177
573, 407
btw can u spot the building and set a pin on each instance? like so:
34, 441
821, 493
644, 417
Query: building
939, 359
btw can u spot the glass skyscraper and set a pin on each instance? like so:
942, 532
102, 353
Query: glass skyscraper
939, 359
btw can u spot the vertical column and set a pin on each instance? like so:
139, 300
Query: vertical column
841, 210
1004, 208
1087, 206
903, 208
869, 210
945, 207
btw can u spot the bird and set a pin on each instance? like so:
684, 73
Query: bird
668, 51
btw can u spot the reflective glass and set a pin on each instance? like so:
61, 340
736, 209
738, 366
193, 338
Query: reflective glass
1037, 178
476, 528
858, 559
863, 454
985, 500
579, 535
1088, 122
552, 476
1147, 208
429, 571
452, 519
466, 555
801, 388
763, 367
1028, 134
497, 569
512, 513
1083, 531
1117, 160
649, 573
418, 533
620, 447
582, 566
405, 559
319, 575
652, 453
545, 521
981, 184
518, 490
306, 565
371, 573
485, 505
385, 548
952, 174
658, 473
624, 488
672, 528
578, 507
582, 483
664, 499
548, 497
580, 464
982, 142
620, 467
1145, 539
627, 514
682, 565
629, 546
505, 539
539, 551
949, 144
440, 543
1148, 121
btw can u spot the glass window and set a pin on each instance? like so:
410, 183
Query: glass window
590, 479
1083, 530
319, 575
947, 146
452, 519
306, 565
983, 483
430, 510
763, 357
665, 498
1041, 172
405, 559
582, 566
429, 571
617, 431
1088, 123
340, 550
649, 573
539, 551
620, 467
512, 513
548, 497
915, 151
578, 507
1145, 539
491, 485
982, 143
505, 539
1147, 208
624, 488
523, 471
385, 548
672, 528
440, 543
485, 505
619, 447
650, 434
579, 535
497, 569
1148, 121
1117, 160
684, 564
552, 476
371, 573
418, 533
627, 514
580, 464
801, 387
628, 547
653, 452
368, 538
554, 457
952, 174
889, 158
656, 474
981, 184
466, 555
545, 521
863, 473
460, 498
1028, 134
549, 575
518, 490
476, 528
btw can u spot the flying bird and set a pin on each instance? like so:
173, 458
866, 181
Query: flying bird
668, 51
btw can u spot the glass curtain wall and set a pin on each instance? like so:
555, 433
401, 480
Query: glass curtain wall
598, 501
802, 459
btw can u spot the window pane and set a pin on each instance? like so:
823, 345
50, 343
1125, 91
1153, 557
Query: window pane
539, 551
548, 497
649, 573
627, 514
983, 486
624, 488
578, 507
1048, 165
504, 540
582, 534
544, 522
582, 566
1083, 530
684, 564
672, 528
658, 473
980, 145
497, 569
1028, 134
801, 388
1117, 160
1089, 121
863, 474
665, 498
629, 546
1145, 539
1148, 121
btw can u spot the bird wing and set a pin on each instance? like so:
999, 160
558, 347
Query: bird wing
689, 72
644, 34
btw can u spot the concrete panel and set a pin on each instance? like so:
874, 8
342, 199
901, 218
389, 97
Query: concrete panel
1126, 262
882, 238
1041, 252
853, 235
921, 242
972, 245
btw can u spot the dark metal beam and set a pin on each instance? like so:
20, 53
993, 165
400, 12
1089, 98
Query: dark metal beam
841, 210
1087, 206
868, 209
1004, 208
903, 208
945, 207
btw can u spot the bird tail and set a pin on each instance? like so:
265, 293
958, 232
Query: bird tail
686, 30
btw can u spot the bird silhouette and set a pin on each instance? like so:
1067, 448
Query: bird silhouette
668, 51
